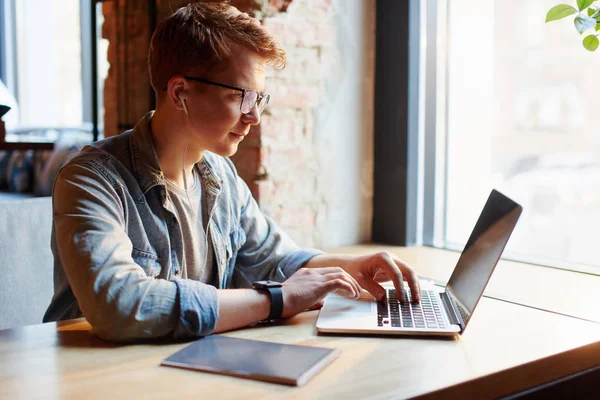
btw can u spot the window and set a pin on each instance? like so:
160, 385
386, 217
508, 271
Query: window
513, 109
46, 65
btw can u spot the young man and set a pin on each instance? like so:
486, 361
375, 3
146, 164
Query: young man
153, 228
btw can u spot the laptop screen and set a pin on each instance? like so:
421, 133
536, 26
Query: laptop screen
483, 250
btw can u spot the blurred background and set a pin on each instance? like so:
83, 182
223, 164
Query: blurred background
515, 111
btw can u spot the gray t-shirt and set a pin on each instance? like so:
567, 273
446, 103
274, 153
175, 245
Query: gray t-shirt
198, 263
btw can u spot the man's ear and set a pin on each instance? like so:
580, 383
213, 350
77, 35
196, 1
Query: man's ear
175, 92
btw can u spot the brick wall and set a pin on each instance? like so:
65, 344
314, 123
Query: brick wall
292, 192
127, 93
284, 159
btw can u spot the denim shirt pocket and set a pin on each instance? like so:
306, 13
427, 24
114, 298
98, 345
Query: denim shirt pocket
148, 261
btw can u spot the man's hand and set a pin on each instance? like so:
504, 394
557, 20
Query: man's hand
373, 269
381, 267
304, 290
308, 287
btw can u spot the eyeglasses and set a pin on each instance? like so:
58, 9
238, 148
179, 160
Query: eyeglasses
249, 97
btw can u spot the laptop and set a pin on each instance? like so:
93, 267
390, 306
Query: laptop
441, 311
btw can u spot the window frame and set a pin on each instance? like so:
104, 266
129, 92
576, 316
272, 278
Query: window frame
397, 180
89, 62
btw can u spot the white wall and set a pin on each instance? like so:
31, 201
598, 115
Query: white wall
344, 128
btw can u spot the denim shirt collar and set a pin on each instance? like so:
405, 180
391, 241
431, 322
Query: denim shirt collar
147, 168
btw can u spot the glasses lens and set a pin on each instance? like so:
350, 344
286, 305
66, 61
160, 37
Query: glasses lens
263, 102
249, 101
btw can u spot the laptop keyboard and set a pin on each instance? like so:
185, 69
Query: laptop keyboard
426, 314
462, 312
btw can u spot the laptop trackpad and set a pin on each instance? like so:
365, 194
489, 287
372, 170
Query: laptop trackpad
336, 303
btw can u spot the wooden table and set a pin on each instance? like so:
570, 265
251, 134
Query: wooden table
506, 348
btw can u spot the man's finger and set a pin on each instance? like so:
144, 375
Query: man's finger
340, 284
375, 289
381, 276
411, 277
394, 272
341, 274
317, 306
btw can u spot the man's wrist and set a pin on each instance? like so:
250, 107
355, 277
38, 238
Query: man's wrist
265, 308
275, 293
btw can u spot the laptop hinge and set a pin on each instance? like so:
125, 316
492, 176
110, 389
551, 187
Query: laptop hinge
453, 313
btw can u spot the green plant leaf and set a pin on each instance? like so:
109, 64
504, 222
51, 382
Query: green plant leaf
591, 42
597, 27
583, 4
583, 23
560, 11
591, 11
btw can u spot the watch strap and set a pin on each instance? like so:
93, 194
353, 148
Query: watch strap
276, 303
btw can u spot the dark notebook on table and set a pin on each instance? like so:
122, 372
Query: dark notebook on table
271, 362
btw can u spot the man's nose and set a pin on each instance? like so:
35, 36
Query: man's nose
253, 117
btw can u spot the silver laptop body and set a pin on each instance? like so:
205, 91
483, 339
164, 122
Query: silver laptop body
441, 311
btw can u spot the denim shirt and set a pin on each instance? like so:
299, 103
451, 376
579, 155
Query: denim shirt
117, 244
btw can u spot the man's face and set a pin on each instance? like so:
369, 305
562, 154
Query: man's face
216, 121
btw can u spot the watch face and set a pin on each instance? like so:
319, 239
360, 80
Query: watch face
266, 284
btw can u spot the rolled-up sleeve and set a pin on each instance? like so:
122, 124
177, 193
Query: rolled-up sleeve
268, 252
114, 293
198, 306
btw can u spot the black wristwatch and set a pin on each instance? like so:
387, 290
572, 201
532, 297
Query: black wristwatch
274, 289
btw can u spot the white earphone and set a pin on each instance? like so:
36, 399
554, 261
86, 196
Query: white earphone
185, 184
182, 99
184, 104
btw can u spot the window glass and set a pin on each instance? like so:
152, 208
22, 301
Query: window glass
47, 58
48, 51
522, 118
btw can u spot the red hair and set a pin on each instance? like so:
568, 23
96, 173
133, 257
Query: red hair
197, 36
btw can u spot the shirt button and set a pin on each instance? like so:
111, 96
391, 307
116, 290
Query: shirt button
176, 272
